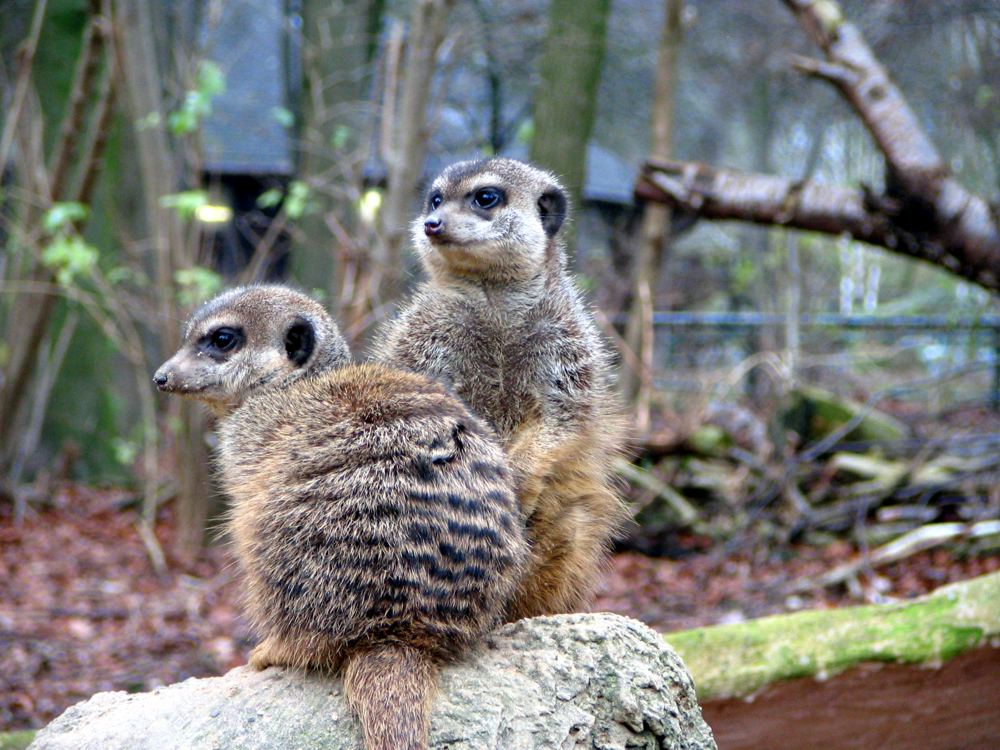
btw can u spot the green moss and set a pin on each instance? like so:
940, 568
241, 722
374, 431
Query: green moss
739, 659
16, 740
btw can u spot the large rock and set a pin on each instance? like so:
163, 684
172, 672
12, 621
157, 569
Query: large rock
574, 681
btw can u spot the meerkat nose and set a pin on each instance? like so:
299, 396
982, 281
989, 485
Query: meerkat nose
433, 226
160, 379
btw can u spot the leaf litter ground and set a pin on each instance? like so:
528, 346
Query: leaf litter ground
82, 611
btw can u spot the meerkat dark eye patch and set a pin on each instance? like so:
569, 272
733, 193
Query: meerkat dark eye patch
221, 341
300, 341
552, 209
487, 197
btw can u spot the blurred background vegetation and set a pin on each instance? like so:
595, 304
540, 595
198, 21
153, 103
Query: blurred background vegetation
153, 152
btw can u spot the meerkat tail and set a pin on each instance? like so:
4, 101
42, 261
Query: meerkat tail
390, 688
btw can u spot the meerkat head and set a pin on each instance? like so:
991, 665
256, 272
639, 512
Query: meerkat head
494, 219
251, 338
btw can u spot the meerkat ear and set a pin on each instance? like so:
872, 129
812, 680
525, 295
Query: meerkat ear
300, 341
552, 207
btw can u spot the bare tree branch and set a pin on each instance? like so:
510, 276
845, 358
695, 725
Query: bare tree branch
25, 60
924, 213
405, 156
87, 69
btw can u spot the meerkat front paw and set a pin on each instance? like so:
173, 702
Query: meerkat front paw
265, 654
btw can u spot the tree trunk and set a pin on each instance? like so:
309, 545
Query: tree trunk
337, 50
160, 168
407, 148
638, 382
566, 97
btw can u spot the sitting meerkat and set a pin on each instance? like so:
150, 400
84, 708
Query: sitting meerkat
373, 517
501, 322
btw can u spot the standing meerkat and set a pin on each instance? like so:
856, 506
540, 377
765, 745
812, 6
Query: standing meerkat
373, 517
502, 323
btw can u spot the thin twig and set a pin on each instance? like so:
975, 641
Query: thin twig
25, 60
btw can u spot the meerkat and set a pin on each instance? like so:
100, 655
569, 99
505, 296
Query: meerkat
501, 322
374, 518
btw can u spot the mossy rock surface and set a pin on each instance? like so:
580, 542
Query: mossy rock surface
815, 413
16, 740
737, 660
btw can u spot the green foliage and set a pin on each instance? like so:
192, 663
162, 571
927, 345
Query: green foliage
90, 401
197, 103
58, 48
62, 216
829, 14
340, 137
745, 272
270, 198
16, 740
186, 203
69, 256
197, 284
66, 253
297, 201
121, 274
151, 120
984, 96
283, 116
124, 451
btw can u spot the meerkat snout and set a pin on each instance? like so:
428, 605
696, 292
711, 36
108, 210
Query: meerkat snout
433, 227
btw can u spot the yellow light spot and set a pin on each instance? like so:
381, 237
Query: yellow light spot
211, 214
370, 203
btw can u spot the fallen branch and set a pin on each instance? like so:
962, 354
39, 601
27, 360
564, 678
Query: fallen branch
686, 513
905, 546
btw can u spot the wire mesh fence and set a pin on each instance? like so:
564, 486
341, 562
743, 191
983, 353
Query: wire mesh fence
931, 362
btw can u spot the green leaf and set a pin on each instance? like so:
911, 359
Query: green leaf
186, 202
198, 103
121, 274
149, 121
270, 198
284, 116
296, 202
340, 137
984, 95
69, 256
211, 79
62, 215
197, 284
124, 451
743, 275
183, 121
